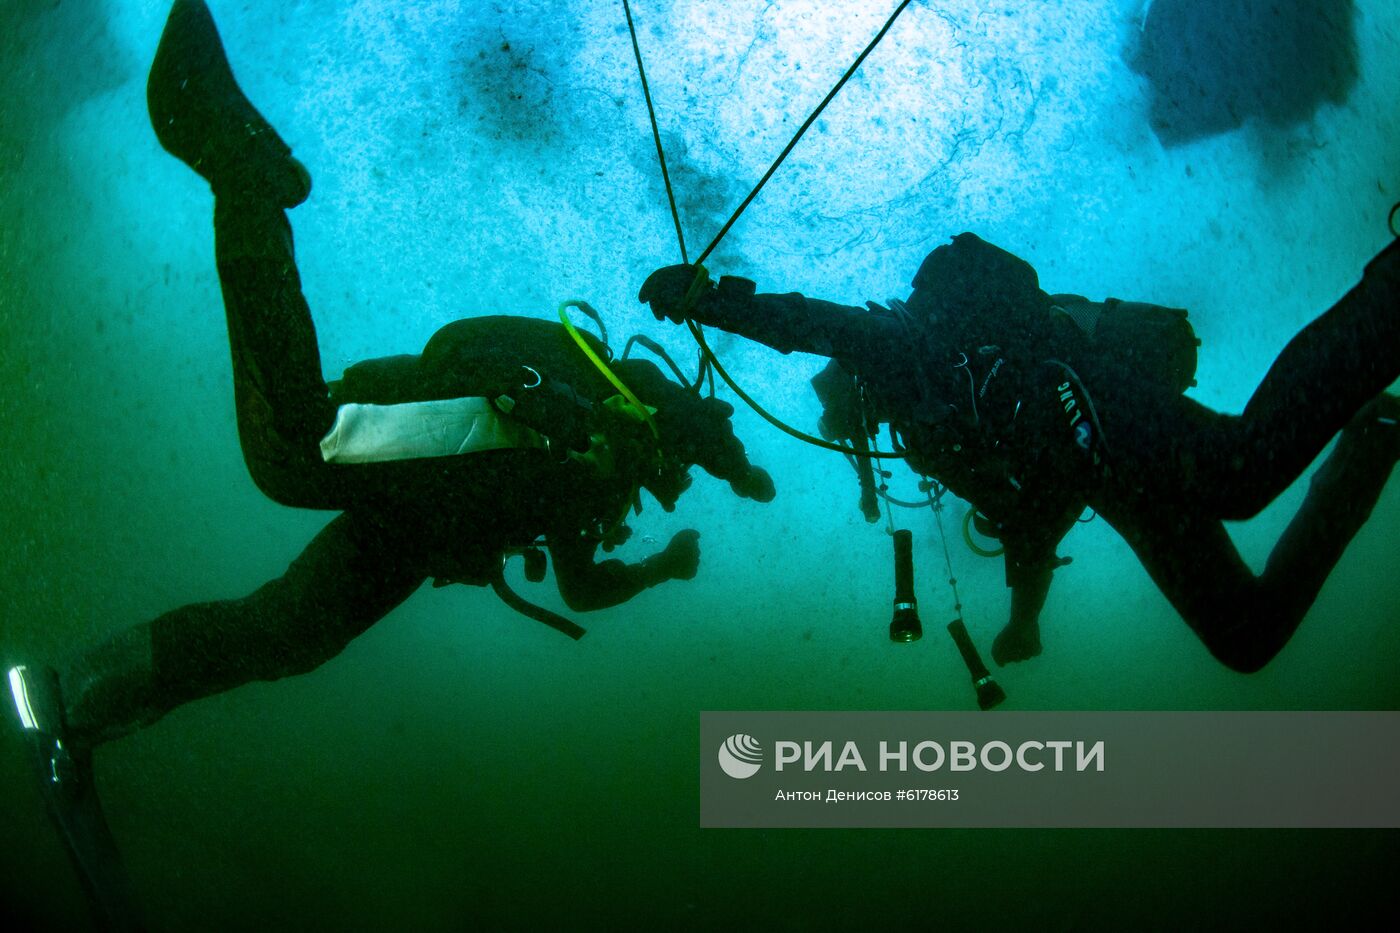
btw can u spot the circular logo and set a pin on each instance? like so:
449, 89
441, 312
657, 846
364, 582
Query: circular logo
741, 756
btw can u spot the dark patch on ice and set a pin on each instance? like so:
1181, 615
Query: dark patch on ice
1213, 66
506, 86
53, 56
512, 72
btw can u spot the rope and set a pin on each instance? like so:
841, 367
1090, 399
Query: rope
655, 132
763, 413
709, 360
802, 130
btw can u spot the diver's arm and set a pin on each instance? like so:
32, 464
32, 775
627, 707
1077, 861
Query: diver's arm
784, 322
697, 430
1020, 639
586, 585
1028, 598
809, 325
1030, 567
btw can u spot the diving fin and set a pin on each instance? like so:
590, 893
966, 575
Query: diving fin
65, 776
202, 117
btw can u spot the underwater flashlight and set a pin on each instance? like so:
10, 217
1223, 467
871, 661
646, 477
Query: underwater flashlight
989, 692
905, 626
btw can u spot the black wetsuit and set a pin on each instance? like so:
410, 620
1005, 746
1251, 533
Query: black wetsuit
402, 522
981, 382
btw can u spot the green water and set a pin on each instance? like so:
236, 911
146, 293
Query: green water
459, 767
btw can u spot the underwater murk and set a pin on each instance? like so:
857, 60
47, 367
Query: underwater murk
459, 767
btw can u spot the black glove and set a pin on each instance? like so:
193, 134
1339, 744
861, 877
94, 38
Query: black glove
666, 288
679, 561
756, 485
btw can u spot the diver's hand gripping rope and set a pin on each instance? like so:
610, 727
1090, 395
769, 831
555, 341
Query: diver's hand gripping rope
688, 305
702, 278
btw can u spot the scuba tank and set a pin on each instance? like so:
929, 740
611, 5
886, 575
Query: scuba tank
502, 382
971, 293
980, 310
1155, 342
527, 370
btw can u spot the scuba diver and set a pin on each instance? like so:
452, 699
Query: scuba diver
505, 435
1031, 406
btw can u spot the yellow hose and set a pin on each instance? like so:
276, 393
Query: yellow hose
603, 368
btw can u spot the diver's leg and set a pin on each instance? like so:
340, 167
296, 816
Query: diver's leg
1341, 495
1232, 466
1197, 567
202, 118
1246, 620
350, 576
1325, 374
279, 392
65, 779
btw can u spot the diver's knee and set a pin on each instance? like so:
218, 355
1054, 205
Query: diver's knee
1243, 629
287, 485
1240, 511
1245, 663
275, 487
1242, 655
1242, 501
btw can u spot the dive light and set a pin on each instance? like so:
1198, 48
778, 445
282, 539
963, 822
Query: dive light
905, 626
989, 692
